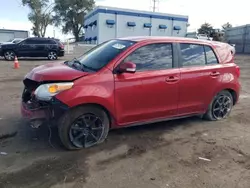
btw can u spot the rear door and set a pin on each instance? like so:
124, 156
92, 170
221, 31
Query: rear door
200, 74
152, 91
41, 46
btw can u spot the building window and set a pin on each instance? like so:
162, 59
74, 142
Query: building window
162, 26
177, 28
131, 24
110, 22
147, 25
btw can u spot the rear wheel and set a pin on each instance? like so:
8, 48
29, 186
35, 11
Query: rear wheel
9, 55
52, 55
220, 107
83, 127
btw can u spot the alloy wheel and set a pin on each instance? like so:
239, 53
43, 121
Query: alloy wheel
52, 56
9, 55
222, 107
86, 131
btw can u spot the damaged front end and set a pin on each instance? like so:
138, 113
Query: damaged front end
39, 111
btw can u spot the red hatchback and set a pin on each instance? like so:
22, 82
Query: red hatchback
131, 81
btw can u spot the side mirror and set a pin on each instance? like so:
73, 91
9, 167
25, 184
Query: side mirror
128, 67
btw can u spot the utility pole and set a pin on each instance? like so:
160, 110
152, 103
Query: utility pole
154, 5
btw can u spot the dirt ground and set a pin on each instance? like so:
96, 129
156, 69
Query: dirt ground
163, 155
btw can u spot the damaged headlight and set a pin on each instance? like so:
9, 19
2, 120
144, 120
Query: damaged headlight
46, 91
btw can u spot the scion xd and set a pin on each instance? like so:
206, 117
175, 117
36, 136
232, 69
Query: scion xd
131, 81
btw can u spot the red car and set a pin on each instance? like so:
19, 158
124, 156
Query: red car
131, 81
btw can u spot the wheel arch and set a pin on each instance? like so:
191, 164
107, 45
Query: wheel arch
105, 109
233, 93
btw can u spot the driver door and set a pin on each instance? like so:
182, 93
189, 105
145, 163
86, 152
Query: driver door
152, 91
27, 48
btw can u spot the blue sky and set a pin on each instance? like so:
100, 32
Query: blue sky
14, 16
13, 10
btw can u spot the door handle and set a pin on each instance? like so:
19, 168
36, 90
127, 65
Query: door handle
172, 79
214, 74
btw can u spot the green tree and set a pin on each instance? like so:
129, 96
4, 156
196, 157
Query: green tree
70, 15
226, 26
40, 15
205, 28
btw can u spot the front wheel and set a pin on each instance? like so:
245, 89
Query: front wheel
52, 55
83, 127
9, 55
220, 107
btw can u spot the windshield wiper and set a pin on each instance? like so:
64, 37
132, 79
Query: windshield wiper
83, 67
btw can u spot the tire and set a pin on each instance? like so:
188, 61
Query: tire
9, 55
75, 123
52, 55
218, 109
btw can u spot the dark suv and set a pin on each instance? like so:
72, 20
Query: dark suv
33, 47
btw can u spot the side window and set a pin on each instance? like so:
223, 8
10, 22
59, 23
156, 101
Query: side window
211, 57
50, 42
192, 55
29, 41
152, 57
41, 41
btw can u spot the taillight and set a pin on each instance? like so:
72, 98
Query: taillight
62, 46
237, 71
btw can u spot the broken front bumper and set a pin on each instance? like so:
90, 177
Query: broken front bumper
37, 111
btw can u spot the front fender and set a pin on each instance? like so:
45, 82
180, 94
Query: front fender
89, 94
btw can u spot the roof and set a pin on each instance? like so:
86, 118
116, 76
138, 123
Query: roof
131, 12
168, 39
12, 30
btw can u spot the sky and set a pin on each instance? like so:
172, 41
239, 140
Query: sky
216, 12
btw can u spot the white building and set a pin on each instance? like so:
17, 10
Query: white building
7, 34
104, 23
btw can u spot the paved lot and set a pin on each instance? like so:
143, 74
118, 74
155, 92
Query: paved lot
163, 155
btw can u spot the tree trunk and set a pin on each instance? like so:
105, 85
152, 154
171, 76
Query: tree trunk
76, 35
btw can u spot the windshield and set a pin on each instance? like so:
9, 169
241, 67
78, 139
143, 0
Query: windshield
17, 41
102, 54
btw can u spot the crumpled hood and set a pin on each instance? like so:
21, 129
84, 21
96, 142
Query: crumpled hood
54, 72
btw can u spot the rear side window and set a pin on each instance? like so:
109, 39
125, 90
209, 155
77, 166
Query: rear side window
192, 55
210, 55
152, 57
50, 42
40, 41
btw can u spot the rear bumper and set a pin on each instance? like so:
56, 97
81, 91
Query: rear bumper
61, 53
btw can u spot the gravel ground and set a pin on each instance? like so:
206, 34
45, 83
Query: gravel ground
162, 155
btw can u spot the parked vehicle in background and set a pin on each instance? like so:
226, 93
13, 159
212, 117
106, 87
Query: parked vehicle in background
198, 36
131, 81
13, 41
33, 47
